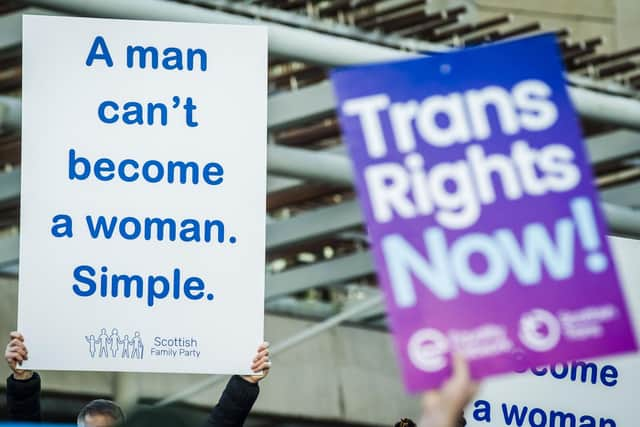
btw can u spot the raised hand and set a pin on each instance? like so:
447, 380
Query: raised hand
16, 353
443, 407
260, 364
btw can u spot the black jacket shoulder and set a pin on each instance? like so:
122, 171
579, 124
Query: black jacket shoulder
23, 398
23, 401
235, 403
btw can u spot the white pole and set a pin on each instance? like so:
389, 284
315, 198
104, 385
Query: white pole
11, 117
126, 390
336, 169
283, 40
320, 48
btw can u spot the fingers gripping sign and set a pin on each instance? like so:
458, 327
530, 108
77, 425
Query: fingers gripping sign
260, 364
442, 407
15, 353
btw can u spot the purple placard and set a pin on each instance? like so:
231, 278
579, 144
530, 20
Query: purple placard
485, 225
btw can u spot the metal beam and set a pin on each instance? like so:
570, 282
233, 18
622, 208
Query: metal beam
622, 221
322, 26
313, 225
12, 117
613, 146
9, 248
337, 270
318, 101
615, 110
281, 160
4, 111
9, 187
277, 183
375, 311
320, 48
625, 194
126, 390
10, 30
11, 25
303, 105
284, 41
336, 169
306, 164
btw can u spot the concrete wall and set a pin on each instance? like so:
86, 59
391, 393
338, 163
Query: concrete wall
585, 18
628, 23
346, 374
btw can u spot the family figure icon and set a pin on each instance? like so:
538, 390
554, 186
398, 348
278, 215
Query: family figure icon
104, 345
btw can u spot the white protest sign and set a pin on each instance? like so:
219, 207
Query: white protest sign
143, 195
586, 393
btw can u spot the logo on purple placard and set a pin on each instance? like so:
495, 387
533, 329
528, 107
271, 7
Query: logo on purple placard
478, 196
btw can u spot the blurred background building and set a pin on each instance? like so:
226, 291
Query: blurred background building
319, 273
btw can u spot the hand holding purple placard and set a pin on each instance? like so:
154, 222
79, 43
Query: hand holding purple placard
479, 199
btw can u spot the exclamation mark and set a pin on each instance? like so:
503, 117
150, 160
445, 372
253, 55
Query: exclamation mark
588, 232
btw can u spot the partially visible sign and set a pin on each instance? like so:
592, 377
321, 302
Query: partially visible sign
586, 393
7, 424
143, 195
479, 199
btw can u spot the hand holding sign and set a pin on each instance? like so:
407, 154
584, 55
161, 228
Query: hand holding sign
260, 365
142, 220
16, 353
484, 222
443, 407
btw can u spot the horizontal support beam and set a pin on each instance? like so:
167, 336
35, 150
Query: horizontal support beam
303, 105
9, 248
4, 111
344, 269
284, 41
11, 25
604, 108
624, 194
613, 146
12, 116
316, 101
313, 225
9, 187
622, 221
320, 48
334, 271
277, 183
375, 311
321, 26
10, 30
307, 164
336, 169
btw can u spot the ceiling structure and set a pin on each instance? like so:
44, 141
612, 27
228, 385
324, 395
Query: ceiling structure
317, 249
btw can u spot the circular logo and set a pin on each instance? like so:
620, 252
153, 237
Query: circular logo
427, 350
539, 330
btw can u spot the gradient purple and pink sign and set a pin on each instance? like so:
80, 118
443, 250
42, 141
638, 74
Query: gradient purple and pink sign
484, 221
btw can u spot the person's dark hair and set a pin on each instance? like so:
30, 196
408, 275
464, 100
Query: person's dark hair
101, 407
405, 422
